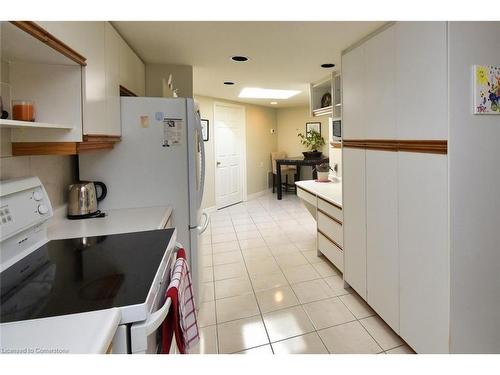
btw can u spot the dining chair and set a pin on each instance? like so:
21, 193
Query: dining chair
286, 170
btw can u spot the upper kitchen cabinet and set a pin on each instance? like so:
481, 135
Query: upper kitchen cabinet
112, 46
421, 80
111, 63
40, 70
87, 37
353, 94
324, 96
379, 86
100, 88
132, 71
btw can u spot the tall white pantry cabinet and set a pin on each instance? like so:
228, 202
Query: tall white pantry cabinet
396, 181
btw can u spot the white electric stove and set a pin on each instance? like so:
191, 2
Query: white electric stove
41, 278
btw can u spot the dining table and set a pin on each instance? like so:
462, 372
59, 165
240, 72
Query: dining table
298, 161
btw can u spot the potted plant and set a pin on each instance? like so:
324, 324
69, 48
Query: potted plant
323, 170
313, 141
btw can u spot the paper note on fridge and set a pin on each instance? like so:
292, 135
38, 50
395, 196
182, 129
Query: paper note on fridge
172, 132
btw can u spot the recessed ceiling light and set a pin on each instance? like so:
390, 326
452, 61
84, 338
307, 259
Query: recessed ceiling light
274, 103
258, 93
327, 65
228, 83
239, 58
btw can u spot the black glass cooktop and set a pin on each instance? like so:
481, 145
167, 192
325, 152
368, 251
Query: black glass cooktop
82, 274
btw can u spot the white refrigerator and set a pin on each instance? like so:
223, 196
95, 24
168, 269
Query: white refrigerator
159, 161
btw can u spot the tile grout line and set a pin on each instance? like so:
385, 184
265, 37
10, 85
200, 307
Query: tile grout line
215, 297
255, 296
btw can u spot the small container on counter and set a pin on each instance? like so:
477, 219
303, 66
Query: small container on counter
23, 110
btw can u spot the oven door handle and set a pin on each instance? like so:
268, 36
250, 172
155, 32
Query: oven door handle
157, 318
141, 331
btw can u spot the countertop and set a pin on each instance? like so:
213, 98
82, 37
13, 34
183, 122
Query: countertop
89, 333
329, 191
116, 221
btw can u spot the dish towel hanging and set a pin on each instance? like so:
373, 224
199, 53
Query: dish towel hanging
181, 318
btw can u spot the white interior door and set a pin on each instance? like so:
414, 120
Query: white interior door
229, 123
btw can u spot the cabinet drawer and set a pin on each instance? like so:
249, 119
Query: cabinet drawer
330, 227
330, 209
308, 197
331, 251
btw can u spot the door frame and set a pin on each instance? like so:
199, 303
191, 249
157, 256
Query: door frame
243, 150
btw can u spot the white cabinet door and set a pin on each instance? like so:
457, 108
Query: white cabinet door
379, 90
421, 76
132, 71
112, 43
382, 252
139, 76
353, 94
424, 251
354, 209
87, 38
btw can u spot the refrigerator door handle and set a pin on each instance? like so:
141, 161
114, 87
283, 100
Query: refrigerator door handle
202, 177
203, 228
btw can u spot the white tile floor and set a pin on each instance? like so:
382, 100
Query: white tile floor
266, 291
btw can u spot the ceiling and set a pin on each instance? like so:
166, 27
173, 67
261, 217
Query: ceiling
283, 55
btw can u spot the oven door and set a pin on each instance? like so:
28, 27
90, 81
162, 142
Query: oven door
145, 336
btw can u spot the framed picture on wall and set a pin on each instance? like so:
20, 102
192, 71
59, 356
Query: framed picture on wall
486, 90
316, 126
204, 129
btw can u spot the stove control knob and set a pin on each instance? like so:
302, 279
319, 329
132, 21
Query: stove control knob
37, 195
43, 209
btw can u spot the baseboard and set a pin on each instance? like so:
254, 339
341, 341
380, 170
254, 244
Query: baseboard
249, 197
210, 210
258, 194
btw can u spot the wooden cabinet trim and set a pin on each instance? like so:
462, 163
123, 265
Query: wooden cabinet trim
396, 145
330, 203
44, 36
330, 216
126, 92
43, 148
101, 138
329, 239
90, 143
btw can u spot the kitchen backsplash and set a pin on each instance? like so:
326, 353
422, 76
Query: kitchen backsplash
55, 172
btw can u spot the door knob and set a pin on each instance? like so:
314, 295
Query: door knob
218, 163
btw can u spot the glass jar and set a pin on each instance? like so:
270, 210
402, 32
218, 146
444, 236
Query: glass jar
23, 110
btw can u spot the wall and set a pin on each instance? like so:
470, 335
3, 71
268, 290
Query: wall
292, 121
182, 79
474, 158
55, 172
259, 145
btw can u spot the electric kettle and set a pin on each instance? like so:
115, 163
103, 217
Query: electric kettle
83, 198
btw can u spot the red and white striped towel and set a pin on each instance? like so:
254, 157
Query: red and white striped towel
181, 319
